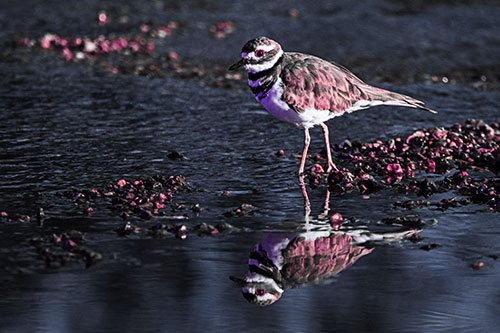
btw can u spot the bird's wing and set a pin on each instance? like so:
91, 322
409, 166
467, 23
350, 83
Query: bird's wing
313, 83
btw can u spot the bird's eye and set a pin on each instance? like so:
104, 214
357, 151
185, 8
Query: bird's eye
260, 292
259, 53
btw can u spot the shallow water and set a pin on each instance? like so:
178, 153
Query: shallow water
64, 126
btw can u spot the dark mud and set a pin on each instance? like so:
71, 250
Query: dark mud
99, 98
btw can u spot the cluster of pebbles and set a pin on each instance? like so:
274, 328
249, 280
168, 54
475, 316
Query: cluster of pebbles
143, 197
136, 54
468, 157
85, 48
151, 199
222, 29
58, 250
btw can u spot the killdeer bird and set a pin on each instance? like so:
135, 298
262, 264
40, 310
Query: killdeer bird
305, 90
283, 261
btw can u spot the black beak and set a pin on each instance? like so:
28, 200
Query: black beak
239, 281
237, 65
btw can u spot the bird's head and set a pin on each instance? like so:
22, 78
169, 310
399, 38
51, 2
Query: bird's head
258, 289
258, 55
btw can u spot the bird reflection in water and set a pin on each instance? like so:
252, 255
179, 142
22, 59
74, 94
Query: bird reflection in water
282, 261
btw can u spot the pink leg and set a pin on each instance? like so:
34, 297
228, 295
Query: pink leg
331, 166
307, 140
326, 206
307, 204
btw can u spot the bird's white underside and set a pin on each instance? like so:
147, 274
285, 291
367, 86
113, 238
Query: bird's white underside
361, 236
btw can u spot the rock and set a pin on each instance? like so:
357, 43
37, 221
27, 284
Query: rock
173, 155
127, 229
477, 265
196, 208
429, 247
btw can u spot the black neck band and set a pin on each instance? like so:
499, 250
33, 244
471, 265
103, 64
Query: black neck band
256, 76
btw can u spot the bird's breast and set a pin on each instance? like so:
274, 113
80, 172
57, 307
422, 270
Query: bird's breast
275, 105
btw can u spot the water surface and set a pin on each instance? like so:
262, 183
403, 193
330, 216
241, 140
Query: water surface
67, 127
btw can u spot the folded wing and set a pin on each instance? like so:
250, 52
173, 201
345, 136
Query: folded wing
313, 83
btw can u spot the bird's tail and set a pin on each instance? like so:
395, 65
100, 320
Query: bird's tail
386, 97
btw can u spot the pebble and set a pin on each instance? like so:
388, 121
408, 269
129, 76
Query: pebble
477, 265
243, 209
336, 221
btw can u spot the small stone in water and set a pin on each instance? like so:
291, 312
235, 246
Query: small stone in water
224, 226
196, 208
175, 156
429, 247
336, 221
102, 18
477, 265
293, 13
40, 216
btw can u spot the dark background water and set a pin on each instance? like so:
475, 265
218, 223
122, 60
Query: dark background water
66, 125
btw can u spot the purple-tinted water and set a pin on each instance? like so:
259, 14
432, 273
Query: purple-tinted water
67, 125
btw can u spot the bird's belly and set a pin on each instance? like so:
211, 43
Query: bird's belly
280, 109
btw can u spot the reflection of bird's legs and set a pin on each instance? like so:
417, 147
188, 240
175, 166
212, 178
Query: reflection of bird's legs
326, 206
331, 166
307, 140
307, 204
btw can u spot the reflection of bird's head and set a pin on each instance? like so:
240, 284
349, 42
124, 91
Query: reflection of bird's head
262, 285
258, 289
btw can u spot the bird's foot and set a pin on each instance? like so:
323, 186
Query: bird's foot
331, 166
